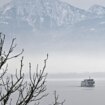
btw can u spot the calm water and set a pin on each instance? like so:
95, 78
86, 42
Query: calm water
76, 95
71, 91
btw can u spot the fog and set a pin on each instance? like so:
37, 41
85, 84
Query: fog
65, 54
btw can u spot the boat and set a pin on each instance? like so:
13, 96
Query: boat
88, 83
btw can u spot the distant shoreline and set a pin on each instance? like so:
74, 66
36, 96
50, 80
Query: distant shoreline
72, 79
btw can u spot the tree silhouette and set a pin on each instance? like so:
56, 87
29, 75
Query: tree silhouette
26, 92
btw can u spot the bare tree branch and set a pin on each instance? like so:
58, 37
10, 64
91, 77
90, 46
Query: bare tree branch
27, 91
56, 102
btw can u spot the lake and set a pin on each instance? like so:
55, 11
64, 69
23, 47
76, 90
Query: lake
71, 91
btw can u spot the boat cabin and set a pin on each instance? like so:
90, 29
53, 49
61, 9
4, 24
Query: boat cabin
88, 83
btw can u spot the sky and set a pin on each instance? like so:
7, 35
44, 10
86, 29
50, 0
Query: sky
85, 4
2, 2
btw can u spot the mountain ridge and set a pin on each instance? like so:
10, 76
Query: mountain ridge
45, 15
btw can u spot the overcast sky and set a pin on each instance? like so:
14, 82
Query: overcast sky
2, 2
79, 3
85, 4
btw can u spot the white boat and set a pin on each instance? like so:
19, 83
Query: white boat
88, 83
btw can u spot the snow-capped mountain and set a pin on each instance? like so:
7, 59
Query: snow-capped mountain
29, 15
41, 14
93, 26
97, 10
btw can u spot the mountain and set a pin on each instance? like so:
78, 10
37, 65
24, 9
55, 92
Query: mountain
40, 15
28, 16
93, 27
97, 10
